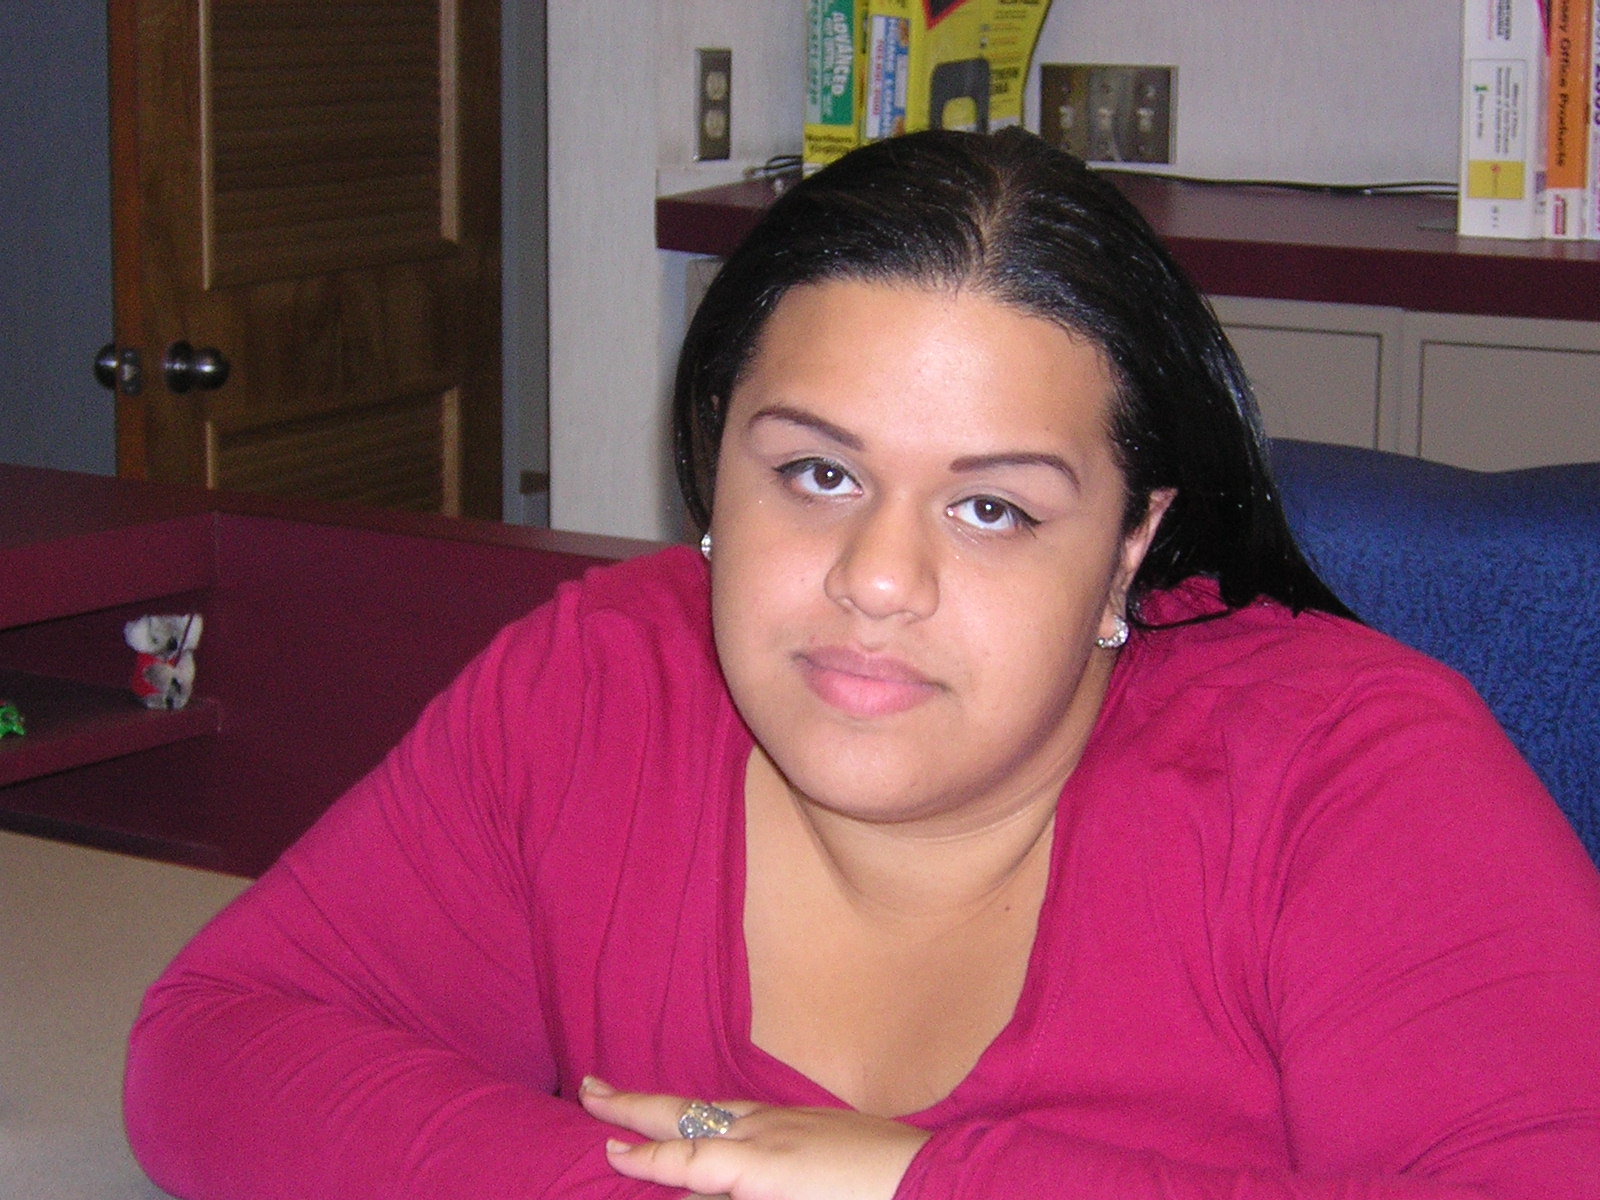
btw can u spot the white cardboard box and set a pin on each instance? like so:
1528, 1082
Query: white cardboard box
1503, 64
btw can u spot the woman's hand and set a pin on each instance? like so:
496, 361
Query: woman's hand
768, 1154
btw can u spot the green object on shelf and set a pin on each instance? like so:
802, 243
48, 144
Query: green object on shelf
10, 719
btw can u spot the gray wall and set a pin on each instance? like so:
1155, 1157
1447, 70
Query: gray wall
55, 236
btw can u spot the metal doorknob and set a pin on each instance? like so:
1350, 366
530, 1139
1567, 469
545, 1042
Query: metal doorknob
118, 370
105, 365
185, 367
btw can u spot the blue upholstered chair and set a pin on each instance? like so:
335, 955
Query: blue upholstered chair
1495, 573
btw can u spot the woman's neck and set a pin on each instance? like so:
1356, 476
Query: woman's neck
930, 874
884, 958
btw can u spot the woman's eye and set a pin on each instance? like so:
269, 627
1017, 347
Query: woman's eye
819, 477
988, 512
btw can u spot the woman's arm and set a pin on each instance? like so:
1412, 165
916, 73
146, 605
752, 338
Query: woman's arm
366, 1020
823, 1154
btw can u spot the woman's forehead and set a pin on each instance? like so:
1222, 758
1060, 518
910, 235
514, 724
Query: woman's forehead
899, 360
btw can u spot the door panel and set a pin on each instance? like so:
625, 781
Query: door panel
325, 141
315, 193
382, 455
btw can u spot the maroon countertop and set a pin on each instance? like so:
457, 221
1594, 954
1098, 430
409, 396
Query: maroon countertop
327, 629
41, 505
1277, 243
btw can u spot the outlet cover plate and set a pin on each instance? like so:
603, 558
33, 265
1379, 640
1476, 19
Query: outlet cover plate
1109, 113
713, 105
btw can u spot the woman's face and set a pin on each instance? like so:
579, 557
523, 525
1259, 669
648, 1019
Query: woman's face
917, 539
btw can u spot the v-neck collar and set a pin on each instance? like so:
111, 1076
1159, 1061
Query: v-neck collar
1002, 1067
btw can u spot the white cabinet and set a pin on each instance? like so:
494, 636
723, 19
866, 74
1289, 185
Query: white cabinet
1493, 393
1501, 392
1322, 372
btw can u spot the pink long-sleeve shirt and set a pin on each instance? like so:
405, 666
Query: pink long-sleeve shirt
1313, 930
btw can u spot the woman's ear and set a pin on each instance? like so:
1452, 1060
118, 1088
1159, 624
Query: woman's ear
1136, 543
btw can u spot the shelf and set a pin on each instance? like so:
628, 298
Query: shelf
1399, 251
71, 724
93, 570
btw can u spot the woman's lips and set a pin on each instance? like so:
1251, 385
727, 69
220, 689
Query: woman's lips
864, 685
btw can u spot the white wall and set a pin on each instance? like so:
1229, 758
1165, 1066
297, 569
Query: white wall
1351, 91
620, 106
767, 39
1354, 91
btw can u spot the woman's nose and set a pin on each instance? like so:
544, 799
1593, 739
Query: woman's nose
885, 564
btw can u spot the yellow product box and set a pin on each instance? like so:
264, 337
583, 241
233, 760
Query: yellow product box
1503, 65
916, 64
946, 64
1011, 37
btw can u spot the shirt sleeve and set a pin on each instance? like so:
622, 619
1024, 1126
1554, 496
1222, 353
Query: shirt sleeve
1427, 930
365, 1020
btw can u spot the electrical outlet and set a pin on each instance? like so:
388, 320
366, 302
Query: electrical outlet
713, 105
1108, 114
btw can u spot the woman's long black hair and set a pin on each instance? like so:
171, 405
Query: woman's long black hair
1031, 227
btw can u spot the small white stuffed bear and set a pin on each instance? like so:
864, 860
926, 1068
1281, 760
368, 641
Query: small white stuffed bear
163, 676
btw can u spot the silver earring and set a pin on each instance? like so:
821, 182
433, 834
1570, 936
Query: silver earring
1118, 638
705, 545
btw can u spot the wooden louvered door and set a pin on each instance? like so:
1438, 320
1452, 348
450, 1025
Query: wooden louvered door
311, 188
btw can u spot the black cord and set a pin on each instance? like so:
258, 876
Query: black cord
779, 171
1415, 187
779, 166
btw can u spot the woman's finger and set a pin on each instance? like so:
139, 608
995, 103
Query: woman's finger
651, 1114
706, 1166
796, 1153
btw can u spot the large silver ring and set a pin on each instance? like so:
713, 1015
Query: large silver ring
702, 1120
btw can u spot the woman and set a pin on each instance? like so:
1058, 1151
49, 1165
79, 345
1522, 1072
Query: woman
1006, 809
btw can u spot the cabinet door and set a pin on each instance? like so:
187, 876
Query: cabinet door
1497, 393
1322, 372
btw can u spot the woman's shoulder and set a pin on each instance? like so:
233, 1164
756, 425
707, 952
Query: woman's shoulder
614, 678
662, 597
670, 584
1264, 685
1293, 731
625, 638
1194, 641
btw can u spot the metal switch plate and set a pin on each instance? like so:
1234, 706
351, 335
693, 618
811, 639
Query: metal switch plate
1108, 113
713, 107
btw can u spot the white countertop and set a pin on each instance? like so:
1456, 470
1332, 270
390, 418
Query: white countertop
82, 934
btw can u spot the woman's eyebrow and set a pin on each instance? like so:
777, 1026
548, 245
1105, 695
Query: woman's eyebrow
1017, 458
964, 465
798, 416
